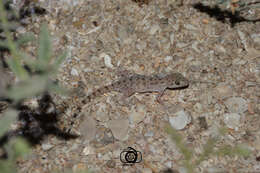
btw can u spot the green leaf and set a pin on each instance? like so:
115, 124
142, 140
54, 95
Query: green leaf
28, 88
242, 150
11, 26
28, 60
60, 60
21, 147
6, 166
179, 143
24, 38
3, 44
44, 50
208, 150
17, 68
52, 87
6, 120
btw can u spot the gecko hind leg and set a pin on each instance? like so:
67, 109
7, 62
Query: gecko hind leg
126, 94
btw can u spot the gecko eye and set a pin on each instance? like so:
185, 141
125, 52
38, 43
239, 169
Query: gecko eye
177, 82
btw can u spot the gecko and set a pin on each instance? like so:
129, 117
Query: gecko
136, 83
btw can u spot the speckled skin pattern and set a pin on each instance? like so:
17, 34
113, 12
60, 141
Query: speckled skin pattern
141, 84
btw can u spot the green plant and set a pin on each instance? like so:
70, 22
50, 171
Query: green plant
33, 82
30, 84
190, 162
39, 82
15, 148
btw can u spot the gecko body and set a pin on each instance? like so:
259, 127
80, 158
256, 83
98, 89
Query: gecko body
141, 84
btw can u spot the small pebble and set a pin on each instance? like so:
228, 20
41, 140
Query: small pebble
198, 107
111, 164
149, 134
74, 72
168, 58
87, 128
203, 123
138, 114
223, 91
236, 104
147, 170
256, 39
220, 49
190, 27
102, 112
172, 37
168, 164
180, 121
88, 150
107, 138
46, 146
119, 128
232, 120
154, 29
164, 21
183, 170
107, 60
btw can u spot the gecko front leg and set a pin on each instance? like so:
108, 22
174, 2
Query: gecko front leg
160, 94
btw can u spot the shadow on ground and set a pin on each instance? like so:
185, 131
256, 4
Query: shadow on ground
37, 124
222, 15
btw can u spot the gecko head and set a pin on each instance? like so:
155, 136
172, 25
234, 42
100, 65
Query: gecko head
177, 81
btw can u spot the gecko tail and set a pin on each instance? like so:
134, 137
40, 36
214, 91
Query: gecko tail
198, 81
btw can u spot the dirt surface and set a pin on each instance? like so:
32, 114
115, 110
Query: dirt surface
219, 54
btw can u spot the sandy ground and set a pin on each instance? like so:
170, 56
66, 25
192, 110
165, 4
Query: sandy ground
221, 58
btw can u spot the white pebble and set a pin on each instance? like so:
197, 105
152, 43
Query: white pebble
88, 150
149, 134
180, 121
154, 29
46, 146
168, 58
232, 120
236, 104
74, 72
107, 60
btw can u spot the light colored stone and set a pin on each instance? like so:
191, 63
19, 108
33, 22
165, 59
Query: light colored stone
147, 170
232, 120
74, 72
137, 114
236, 104
88, 129
107, 60
223, 91
46, 147
102, 112
190, 27
149, 134
154, 29
88, 150
168, 58
119, 128
181, 120
256, 39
